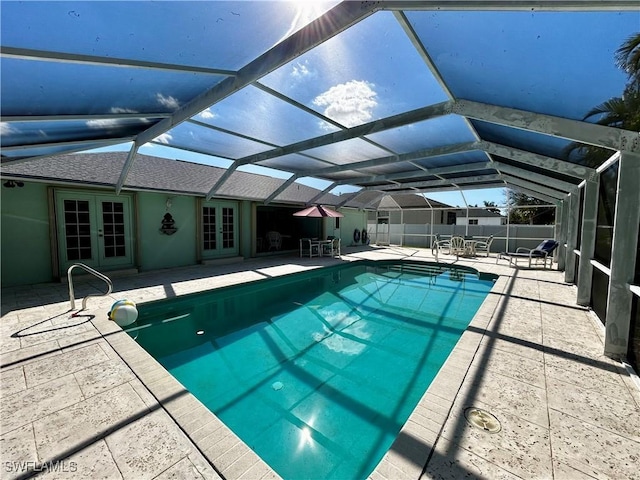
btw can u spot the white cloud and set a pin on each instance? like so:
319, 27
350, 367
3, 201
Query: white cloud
350, 103
207, 114
103, 123
122, 110
6, 129
164, 138
301, 70
169, 102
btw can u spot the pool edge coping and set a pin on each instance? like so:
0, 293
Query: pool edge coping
230, 457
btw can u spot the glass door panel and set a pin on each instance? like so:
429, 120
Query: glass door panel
94, 230
219, 229
114, 231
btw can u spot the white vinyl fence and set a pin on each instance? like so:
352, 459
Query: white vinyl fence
506, 238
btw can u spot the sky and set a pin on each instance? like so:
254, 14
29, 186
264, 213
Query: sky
368, 72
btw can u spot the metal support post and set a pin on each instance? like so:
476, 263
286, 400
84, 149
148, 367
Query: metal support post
573, 221
588, 241
623, 257
561, 232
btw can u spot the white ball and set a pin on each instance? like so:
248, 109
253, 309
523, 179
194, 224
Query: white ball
123, 312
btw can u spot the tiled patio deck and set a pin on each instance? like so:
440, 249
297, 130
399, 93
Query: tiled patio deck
81, 398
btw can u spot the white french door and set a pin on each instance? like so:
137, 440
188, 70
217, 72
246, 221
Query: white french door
94, 229
219, 229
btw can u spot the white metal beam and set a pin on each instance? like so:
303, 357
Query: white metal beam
588, 241
280, 189
573, 220
549, 192
540, 161
561, 232
81, 118
531, 193
125, 169
405, 157
64, 57
536, 177
70, 143
392, 177
480, 186
584, 132
226, 174
424, 54
336, 20
321, 194
78, 146
348, 198
524, 5
387, 123
623, 258
437, 183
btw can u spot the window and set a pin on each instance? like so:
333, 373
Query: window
77, 229
209, 227
606, 213
473, 221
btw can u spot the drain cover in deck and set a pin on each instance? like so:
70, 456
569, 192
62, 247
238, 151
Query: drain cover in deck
482, 419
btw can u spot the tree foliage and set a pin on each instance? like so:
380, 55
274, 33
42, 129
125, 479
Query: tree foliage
491, 206
521, 212
618, 112
627, 57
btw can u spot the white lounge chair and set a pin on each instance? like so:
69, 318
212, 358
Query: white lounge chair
541, 252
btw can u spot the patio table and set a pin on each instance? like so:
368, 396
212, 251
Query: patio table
320, 243
470, 247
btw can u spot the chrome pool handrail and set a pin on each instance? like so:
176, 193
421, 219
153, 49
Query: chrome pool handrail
93, 272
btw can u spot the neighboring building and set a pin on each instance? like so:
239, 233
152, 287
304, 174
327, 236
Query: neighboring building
61, 210
408, 218
479, 216
411, 209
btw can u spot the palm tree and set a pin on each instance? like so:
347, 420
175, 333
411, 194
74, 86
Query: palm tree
618, 112
627, 57
491, 206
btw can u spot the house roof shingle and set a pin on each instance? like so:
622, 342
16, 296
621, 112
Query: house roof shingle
161, 174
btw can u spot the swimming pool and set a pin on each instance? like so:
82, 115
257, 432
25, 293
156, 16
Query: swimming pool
316, 372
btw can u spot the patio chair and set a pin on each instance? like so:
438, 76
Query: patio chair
457, 246
308, 247
275, 240
484, 245
541, 252
332, 248
440, 244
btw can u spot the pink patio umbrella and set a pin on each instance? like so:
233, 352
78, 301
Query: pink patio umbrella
317, 211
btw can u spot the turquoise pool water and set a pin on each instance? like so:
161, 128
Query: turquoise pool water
316, 372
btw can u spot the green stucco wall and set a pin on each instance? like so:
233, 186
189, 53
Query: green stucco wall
26, 256
26, 245
156, 249
245, 227
352, 219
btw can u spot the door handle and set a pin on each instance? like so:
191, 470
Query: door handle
100, 233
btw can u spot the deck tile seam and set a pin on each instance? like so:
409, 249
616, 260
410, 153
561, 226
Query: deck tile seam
582, 419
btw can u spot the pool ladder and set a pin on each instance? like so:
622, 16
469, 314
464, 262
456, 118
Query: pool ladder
84, 300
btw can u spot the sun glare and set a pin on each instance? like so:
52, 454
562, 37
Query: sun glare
306, 436
305, 13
